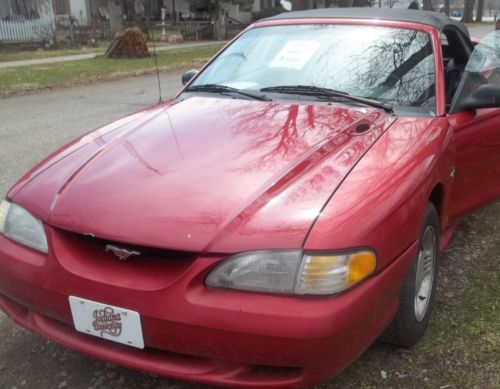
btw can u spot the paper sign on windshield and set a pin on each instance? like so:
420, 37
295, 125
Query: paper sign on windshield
294, 55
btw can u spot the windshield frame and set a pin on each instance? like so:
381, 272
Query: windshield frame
434, 35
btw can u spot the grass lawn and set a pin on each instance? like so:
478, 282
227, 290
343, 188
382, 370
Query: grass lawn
461, 348
11, 55
33, 78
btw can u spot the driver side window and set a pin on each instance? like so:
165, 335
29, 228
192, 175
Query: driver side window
480, 85
456, 54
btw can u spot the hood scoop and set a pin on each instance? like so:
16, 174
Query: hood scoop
362, 128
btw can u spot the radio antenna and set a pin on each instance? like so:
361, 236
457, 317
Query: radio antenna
156, 64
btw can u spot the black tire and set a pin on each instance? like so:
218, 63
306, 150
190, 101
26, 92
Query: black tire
410, 323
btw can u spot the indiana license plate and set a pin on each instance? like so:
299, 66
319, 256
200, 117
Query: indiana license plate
106, 321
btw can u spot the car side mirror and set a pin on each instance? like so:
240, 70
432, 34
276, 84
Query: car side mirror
486, 96
187, 76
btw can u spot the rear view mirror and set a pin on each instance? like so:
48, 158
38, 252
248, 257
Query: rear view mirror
187, 76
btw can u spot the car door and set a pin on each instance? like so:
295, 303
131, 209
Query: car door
476, 125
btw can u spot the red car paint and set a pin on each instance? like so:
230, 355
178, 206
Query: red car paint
191, 175
226, 186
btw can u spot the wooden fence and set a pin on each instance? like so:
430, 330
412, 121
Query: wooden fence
34, 30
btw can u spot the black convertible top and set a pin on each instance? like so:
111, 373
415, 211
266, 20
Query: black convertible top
435, 19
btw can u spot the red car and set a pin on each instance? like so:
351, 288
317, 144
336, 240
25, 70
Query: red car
282, 212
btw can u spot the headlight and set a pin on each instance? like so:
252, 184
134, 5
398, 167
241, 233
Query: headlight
21, 226
292, 271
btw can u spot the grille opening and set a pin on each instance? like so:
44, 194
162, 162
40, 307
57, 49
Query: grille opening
152, 252
86, 257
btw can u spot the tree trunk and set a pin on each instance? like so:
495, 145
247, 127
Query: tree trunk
479, 10
344, 3
216, 19
299, 5
447, 7
468, 11
115, 16
147, 11
428, 5
26, 12
132, 16
71, 31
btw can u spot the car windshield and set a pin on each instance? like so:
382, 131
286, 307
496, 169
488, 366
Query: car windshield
380, 63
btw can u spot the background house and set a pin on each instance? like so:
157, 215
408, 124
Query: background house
84, 11
26, 21
79, 9
25, 9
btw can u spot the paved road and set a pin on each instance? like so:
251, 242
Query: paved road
32, 126
480, 30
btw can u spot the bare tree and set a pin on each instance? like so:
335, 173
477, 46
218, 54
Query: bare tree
299, 5
22, 8
428, 5
147, 12
447, 7
490, 6
174, 12
468, 11
115, 16
479, 10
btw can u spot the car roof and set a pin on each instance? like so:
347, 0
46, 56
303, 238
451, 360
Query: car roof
435, 19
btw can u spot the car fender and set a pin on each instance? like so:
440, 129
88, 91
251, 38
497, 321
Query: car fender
380, 204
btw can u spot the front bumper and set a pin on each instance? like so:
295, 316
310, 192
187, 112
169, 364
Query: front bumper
231, 338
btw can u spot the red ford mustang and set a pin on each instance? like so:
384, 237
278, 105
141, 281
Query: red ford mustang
286, 209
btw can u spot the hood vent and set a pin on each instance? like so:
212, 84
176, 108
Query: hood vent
362, 128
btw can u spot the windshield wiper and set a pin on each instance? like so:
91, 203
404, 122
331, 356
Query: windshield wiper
310, 90
223, 89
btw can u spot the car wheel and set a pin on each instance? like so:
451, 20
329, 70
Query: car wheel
418, 292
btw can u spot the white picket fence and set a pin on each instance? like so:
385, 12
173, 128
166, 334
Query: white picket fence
35, 30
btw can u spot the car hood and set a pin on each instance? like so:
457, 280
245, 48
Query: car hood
205, 174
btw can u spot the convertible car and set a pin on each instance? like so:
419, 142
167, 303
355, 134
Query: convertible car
282, 212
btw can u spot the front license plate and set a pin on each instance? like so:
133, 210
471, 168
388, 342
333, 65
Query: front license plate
106, 321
